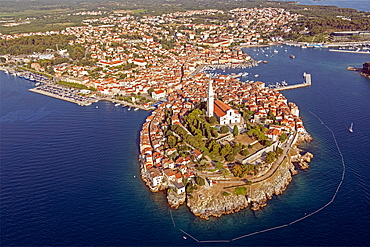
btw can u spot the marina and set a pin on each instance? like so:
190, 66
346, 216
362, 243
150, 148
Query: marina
63, 93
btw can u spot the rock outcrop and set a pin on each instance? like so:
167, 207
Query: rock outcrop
274, 185
174, 199
301, 161
208, 205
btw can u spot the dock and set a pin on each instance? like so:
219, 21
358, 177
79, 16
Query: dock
351, 51
62, 94
304, 84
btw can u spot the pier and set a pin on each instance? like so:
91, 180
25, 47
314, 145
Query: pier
304, 84
70, 95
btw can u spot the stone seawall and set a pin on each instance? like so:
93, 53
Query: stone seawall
275, 185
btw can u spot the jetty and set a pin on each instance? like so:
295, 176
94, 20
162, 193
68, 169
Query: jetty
304, 84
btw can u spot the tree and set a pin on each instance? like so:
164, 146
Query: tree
237, 170
225, 172
171, 140
270, 157
237, 148
244, 152
219, 165
226, 150
279, 151
230, 158
283, 137
235, 130
268, 143
200, 181
224, 129
213, 120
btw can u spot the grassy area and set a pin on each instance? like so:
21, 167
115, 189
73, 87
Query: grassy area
225, 193
138, 11
241, 191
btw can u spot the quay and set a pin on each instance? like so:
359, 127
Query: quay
304, 84
125, 103
351, 51
63, 94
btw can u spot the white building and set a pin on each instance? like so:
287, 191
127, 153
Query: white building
158, 94
222, 111
225, 114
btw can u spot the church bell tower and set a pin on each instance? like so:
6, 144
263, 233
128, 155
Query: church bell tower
210, 100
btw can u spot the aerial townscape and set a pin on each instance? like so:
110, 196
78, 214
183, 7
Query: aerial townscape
212, 141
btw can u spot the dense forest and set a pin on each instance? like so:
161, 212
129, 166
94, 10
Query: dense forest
36, 43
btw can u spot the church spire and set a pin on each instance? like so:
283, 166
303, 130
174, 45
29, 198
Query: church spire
210, 100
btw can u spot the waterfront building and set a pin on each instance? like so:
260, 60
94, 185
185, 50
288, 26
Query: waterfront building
158, 94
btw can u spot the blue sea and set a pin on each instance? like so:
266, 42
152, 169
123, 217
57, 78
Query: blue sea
361, 5
70, 174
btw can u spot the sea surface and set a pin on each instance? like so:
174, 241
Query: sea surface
361, 5
70, 175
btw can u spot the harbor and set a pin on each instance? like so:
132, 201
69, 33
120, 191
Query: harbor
63, 93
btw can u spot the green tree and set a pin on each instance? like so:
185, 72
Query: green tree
230, 158
283, 137
219, 165
235, 130
226, 150
270, 157
213, 120
244, 152
171, 140
224, 129
237, 170
279, 151
200, 181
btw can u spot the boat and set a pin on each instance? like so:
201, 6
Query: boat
136, 109
183, 237
37, 84
291, 56
276, 51
265, 62
256, 75
118, 104
351, 128
96, 106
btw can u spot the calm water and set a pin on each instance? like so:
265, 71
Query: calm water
67, 172
361, 5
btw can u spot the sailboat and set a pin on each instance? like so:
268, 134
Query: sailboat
351, 128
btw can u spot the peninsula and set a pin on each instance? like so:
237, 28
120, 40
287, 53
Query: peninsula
221, 145
212, 141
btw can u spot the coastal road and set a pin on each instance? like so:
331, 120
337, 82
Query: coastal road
286, 147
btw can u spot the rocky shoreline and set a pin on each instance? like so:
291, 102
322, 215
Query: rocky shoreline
208, 203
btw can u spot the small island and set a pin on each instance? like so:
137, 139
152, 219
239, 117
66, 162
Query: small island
364, 71
222, 145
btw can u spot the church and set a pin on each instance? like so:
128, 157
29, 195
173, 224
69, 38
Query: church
222, 111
